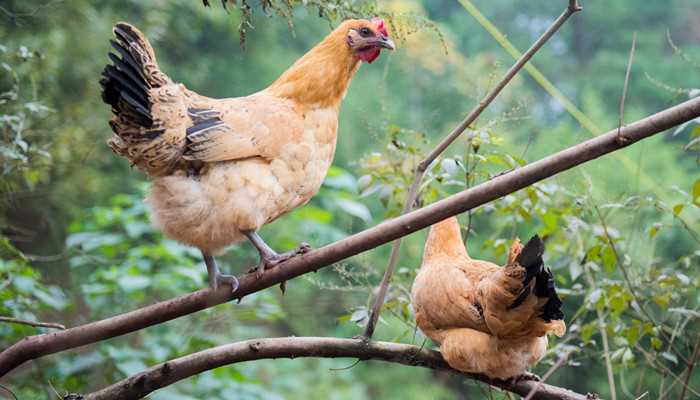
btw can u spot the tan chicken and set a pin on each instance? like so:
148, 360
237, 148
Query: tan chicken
222, 168
487, 319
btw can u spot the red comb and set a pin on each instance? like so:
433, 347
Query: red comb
380, 25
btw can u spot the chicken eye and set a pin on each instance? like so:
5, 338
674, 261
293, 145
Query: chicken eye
365, 32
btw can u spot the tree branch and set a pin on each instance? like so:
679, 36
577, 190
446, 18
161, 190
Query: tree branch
37, 346
167, 373
423, 166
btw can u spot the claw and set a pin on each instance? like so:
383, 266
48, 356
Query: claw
303, 248
216, 278
526, 376
268, 257
227, 280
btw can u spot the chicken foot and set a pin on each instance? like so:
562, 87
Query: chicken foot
216, 278
270, 258
525, 376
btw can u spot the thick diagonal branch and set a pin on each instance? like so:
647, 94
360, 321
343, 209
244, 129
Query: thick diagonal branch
422, 167
41, 345
167, 373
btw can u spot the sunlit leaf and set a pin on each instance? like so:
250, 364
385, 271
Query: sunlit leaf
670, 357
130, 283
355, 209
678, 208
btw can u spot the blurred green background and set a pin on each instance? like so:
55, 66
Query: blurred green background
77, 246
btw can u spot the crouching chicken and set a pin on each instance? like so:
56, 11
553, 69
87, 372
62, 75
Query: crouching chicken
487, 319
223, 168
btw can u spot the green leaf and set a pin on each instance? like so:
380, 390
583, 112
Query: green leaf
54, 298
678, 208
618, 304
364, 182
338, 178
587, 331
315, 214
575, 270
653, 231
131, 367
632, 335
663, 300
550, 220
360, 317
355, 209
670, 357
696, 191
609, 260
130, 283
595, 297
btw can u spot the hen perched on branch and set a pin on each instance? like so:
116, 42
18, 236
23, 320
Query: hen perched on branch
222, 168
487, 319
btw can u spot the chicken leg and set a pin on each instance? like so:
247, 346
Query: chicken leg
216, 278
268, 257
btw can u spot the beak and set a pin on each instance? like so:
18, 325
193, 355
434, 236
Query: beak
386, 43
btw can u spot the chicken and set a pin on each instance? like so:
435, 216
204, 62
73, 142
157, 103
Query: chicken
223, 168
487, 319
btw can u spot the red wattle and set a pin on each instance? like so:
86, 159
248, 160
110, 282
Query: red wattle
369, 55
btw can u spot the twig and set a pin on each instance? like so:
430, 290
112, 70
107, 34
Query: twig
691, 365
52, 325
584, 121
663, 370
627, 80
41, 345
628, 283
167, 373
423, 166
604, 336
16, 16
5, 388
550, 371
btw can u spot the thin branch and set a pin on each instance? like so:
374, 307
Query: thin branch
5, 388
584, 121
691, 365
167, 373
663, 370
531, 394
630, 286
423, 166
41, 345
604, 336
627, 79
37, 324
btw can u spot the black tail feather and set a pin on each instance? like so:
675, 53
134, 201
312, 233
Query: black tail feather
124, 85
129, 62
530, 258
544, 288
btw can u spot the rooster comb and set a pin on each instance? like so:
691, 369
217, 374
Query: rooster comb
381, 27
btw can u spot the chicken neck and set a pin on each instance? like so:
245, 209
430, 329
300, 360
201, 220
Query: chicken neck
321, 77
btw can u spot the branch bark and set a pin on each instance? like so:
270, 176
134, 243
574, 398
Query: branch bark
423, 166
167, 373
37, 346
